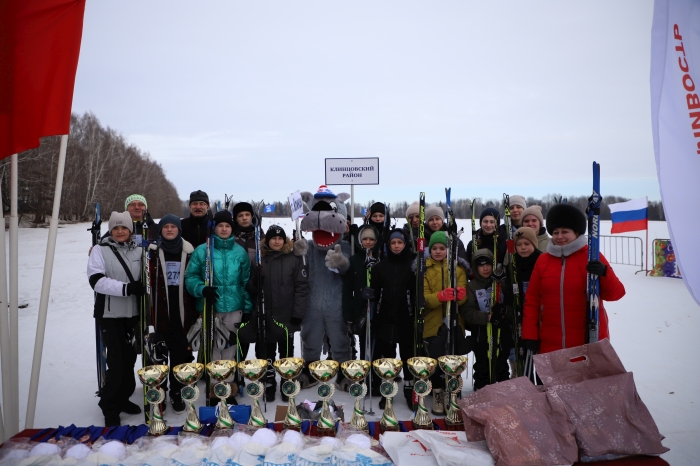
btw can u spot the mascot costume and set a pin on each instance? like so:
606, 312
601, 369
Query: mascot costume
328, 258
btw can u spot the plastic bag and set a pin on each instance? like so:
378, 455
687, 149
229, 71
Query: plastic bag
405, 449
453, 449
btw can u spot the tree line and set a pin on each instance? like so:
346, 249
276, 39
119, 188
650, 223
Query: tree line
101, 166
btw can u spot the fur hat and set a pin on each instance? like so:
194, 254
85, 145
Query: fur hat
273, 231
437, 237
199, 195
242, 207
224, 217
525, 233
135, 197
566, 216
121, 219
434, 210
533, 210
517, 199
413, 209
492, 212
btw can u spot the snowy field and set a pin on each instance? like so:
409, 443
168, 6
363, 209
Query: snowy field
654, 328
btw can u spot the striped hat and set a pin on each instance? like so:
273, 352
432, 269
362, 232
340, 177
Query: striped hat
135, 197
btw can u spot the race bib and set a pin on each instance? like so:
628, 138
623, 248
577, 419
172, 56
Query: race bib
172, 273
138, 239
483, 297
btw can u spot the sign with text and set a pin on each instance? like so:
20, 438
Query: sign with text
352, 171
296, 204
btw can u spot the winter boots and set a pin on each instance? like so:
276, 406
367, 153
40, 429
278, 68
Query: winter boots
270, 384
342, 383
438, 402
129, 407
408, 394
305, 378
177, 402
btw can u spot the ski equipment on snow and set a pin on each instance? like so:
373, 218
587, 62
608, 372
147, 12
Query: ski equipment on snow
420, 274
100, 350
593, 281
513, 276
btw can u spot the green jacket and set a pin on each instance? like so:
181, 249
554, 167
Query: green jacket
231, 267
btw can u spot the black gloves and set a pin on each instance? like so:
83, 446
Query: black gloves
209, 292
135, 289
532, 345
368, 293
596, 268
295, 321
498, 315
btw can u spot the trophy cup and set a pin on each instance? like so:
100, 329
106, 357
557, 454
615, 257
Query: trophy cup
188, 374
254, 370
388, 369
221, 370
453, 366
153, 376
357, 370
422, 368
323, 371
288, 369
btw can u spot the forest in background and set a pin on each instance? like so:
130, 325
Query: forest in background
101, 166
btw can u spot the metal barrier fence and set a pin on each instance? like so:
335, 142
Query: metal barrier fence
625, 250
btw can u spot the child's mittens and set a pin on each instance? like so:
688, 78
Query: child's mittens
335, 260
461, 293
448, 294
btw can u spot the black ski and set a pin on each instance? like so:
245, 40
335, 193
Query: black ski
100, 350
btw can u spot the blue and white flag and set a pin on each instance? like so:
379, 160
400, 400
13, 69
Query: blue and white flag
269, 208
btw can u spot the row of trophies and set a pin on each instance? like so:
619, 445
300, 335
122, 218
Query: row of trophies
289, 368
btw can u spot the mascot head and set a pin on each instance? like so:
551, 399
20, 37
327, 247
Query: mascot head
326, 219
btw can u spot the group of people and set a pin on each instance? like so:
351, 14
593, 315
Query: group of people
378, 281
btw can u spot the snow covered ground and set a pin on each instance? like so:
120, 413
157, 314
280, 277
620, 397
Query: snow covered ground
654, 329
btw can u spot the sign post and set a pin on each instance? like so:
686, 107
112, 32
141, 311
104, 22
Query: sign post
363, 170
296, 205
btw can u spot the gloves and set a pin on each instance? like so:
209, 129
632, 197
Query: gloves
596, 268
335, 260
461, 293
209, 292
368, 293
499, 274
300, 247
135, 289
498, 315
532, 345
448, 294
295, 321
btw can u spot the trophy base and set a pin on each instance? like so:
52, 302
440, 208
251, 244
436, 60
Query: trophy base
383, 428
454, 425
292, 427
325, 432
423, 427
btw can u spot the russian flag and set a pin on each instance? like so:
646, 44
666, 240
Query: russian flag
629, 216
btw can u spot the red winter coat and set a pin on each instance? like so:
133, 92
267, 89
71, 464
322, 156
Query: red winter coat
556, 310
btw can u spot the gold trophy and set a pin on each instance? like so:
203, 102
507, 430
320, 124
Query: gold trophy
254, 370
221, 370
323, 371
388, 369
189, 374
422, 368
153, 376
288, 369
453, 366
357, 370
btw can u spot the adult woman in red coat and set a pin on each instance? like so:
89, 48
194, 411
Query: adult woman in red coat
556, 310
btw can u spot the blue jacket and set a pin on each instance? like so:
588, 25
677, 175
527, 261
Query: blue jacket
231, 268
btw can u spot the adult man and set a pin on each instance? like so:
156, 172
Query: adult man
194, 227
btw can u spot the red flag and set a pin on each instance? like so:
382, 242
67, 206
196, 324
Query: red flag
39, 49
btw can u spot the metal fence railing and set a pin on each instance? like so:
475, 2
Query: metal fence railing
625, 250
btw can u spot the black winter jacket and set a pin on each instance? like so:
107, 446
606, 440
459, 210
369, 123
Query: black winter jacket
394, 285
194, 230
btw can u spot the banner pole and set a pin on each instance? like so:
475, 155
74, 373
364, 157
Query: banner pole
352, 218
46, 288
5, 334
14, 296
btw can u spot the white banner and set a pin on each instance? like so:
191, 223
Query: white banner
675, 112
296, 204
352, 171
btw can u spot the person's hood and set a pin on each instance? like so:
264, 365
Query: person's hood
287, 247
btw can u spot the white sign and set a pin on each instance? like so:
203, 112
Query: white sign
296, 205
352, 171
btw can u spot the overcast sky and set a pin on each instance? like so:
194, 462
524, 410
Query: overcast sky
249, 98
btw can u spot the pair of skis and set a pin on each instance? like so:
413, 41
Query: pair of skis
452, 248
593, 281
100, 350
520, 356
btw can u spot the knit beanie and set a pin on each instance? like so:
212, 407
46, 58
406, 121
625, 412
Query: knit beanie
434, 210
492, 212
121, 219
170, 218
517, 199
397, 234
273, 231
534, 210
413, 209
377, 207
525, 233
135, 197
173, 246
224, 217
437, 237
242, 207
483, 256
199, 195
367, 232
566, 216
